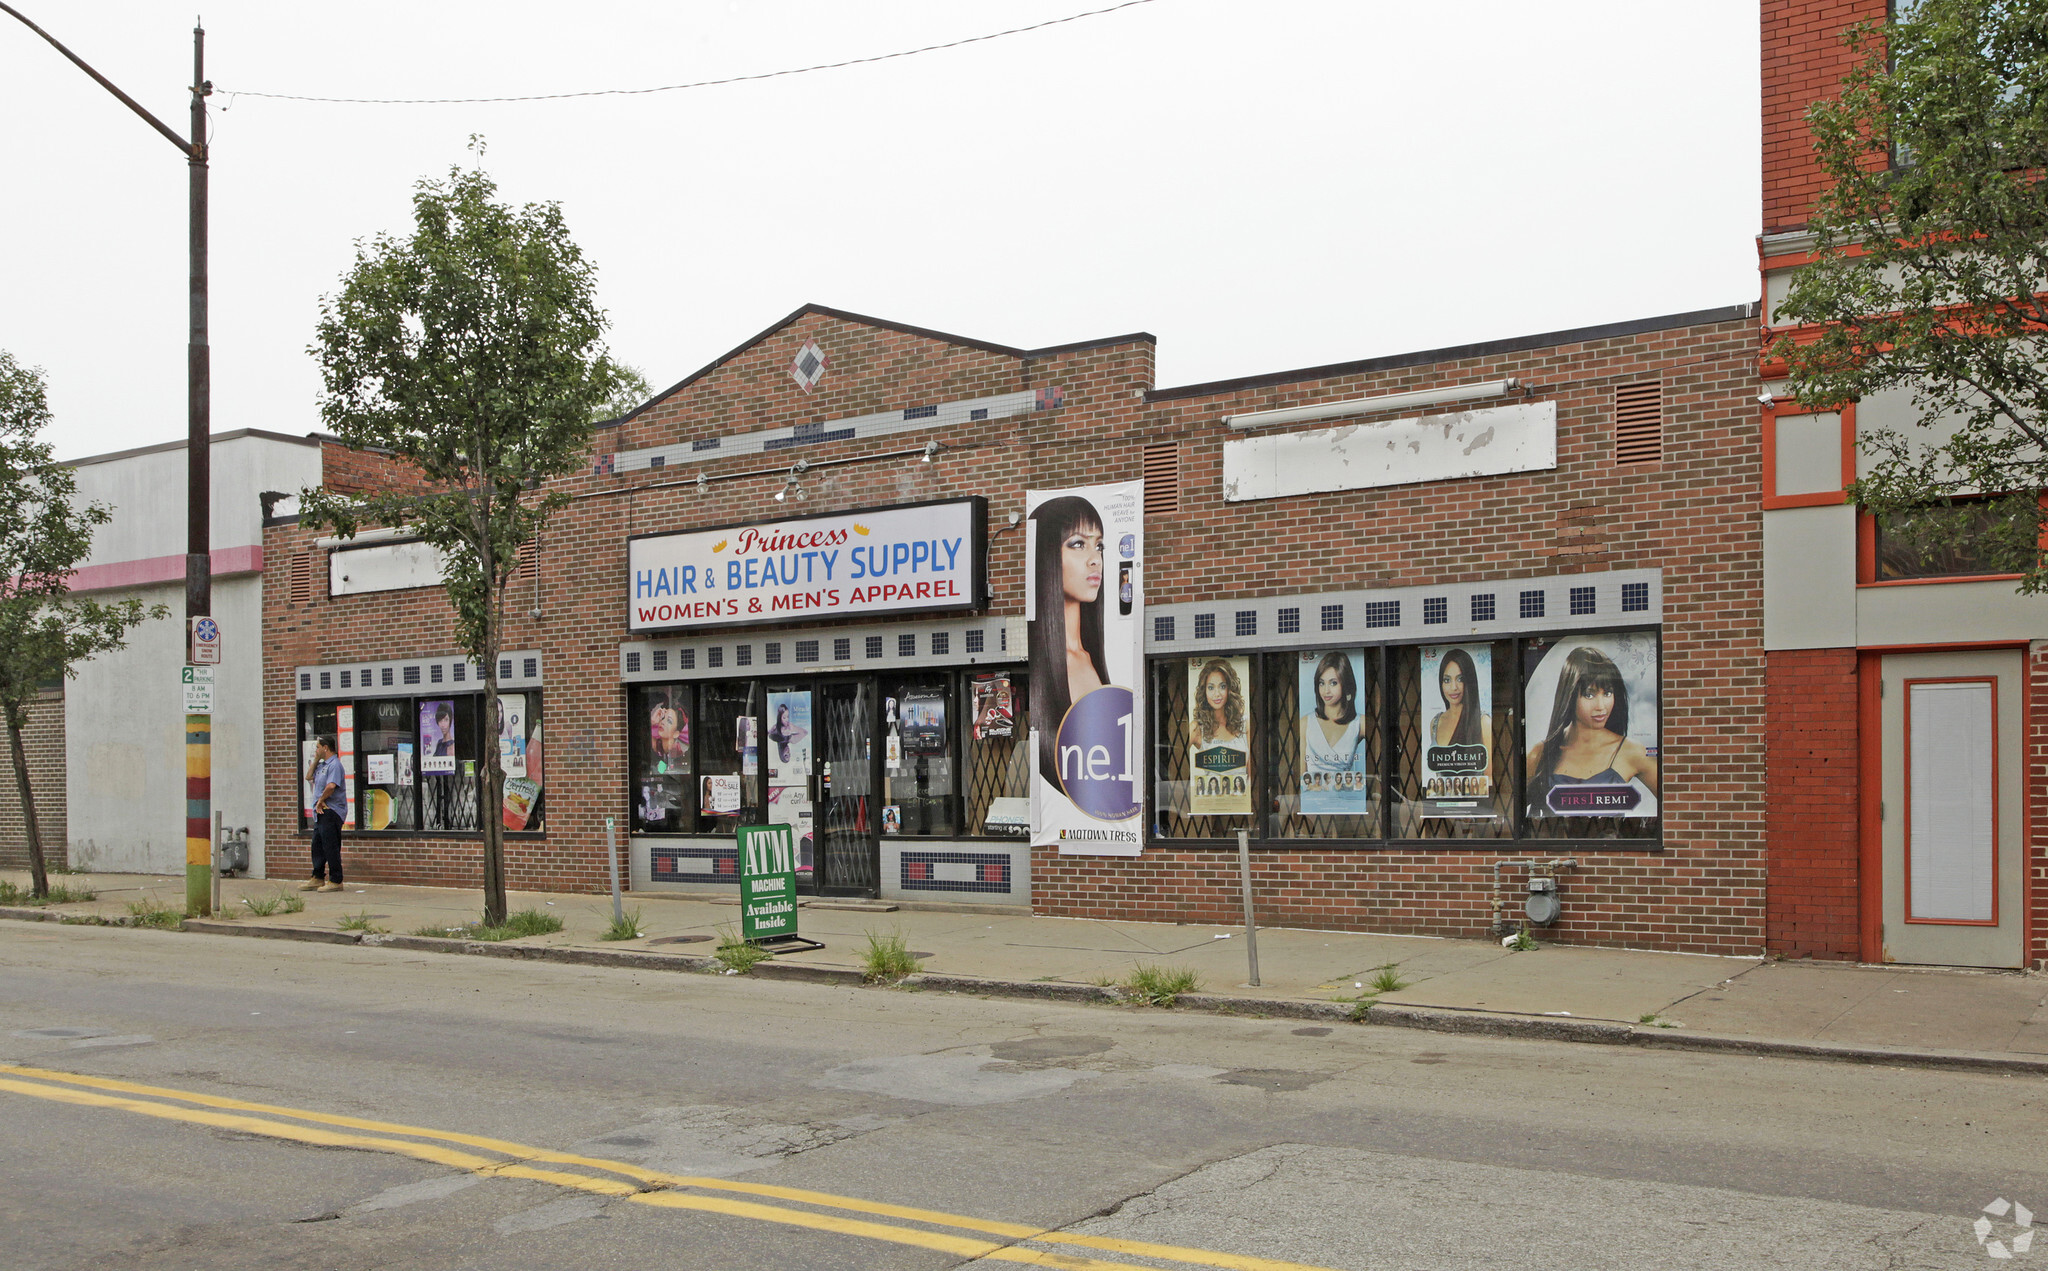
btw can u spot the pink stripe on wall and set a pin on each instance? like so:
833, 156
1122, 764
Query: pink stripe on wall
165, 569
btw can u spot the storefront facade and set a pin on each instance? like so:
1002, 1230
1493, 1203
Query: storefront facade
793, 588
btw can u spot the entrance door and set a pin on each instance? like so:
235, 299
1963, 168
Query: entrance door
848, 844
1954, 808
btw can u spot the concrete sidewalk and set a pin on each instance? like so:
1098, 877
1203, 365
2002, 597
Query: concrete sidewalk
1657, 998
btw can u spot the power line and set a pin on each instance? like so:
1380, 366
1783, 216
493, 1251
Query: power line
670, 88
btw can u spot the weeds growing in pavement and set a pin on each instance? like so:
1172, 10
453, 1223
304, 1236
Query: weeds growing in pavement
264, 906
439, 932
738, 955
59, 895
888, 957
625, 927
1387, 980
293, 902
1159, 986
527, 922
147, 912
360, 922
1523, 942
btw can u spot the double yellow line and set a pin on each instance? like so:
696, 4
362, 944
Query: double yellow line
614, 1178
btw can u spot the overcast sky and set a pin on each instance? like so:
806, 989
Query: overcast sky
1261, 185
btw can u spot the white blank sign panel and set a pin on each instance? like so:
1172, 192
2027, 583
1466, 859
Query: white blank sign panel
1954, 794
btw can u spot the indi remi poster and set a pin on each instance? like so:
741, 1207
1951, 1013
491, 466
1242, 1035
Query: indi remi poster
1085, 606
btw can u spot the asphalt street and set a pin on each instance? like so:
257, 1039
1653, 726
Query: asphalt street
172, 1100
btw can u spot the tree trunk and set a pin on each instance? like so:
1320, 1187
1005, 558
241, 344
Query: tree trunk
493, 811
37, 872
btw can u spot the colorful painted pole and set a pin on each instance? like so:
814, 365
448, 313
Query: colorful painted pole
198, 816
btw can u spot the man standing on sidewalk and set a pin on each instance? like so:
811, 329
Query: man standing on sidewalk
330, 805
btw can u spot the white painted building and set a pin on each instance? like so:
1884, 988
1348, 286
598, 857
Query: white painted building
123, 715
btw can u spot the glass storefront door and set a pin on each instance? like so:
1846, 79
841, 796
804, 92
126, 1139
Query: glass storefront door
848, 851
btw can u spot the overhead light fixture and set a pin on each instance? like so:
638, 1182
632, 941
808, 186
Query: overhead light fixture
930, 448
790, 481
1367, 405
703, 483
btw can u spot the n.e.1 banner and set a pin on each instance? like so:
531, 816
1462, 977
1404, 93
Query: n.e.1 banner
1334, 759
767, 882
1591, 701
1086, 609
1457, 730
1219, 737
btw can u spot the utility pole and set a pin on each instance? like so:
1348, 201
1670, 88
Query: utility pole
198, 481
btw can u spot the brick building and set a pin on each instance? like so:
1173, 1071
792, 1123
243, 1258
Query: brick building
1881, 849
1483, 518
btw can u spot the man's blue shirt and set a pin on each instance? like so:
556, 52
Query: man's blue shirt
329, 769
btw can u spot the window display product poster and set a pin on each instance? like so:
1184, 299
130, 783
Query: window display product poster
791, 806
767, 882
994, 709
401, 759
1219, 737
789, 736
437, 735
668, 731
1335, 761
1592, 702
923, 722
512, 734
720, 796
521, 793
661, 800
383, 769
1087, 656
345, 750
1456, 751
743, 742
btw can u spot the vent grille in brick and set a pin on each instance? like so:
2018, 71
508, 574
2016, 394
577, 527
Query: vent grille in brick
1162, 479
1639, 422
301, 578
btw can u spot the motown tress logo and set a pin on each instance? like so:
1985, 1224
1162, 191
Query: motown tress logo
877, 560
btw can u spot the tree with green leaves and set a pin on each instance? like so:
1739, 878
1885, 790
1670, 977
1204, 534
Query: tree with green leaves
1929, 269
45, 631
470, 350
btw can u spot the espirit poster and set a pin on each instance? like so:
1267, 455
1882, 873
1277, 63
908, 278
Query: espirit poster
1456, 753
437, 736
1335, 763
1219, 737
1086, 610
1592, 705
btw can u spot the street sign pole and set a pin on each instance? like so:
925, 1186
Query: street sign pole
197, 682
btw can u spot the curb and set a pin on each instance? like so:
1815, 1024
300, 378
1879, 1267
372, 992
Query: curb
1431, 1019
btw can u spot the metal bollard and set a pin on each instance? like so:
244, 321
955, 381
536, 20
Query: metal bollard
216, 863
611, 858
1251, 926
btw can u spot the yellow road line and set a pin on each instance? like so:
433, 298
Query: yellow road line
526, 1152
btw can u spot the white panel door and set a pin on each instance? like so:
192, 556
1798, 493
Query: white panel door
1954, 808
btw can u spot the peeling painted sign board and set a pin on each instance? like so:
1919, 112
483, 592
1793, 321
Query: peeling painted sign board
1521, 437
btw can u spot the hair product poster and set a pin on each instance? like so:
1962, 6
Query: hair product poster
512, 734
924, 721
437, 736
1456, 754
994, 711
1592, 706
1085, 606
1219, 737
668, 731
1334, 759
789, 738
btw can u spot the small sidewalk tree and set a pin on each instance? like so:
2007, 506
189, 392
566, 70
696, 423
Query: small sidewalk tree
44, 532
471, 351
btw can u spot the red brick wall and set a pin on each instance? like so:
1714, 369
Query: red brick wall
2037, 799
43, 740
1803, 62
1694, 515
1812, 786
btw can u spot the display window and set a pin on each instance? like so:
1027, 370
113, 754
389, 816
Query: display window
415, 763
1535, 738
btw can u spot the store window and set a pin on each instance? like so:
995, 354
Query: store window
919, 755
1328, 749
999, 756
415, 763
1206, 713
1454, 741
726, 750
1592, 766
1965, 538
661, 719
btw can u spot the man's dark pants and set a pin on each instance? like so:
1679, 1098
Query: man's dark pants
327, 846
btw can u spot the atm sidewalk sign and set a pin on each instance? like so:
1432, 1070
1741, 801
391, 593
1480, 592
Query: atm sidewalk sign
767, 882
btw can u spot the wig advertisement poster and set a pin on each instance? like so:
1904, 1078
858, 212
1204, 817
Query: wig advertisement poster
789, 738
1592, 705
437, 736
1457, 730
668, 731
1086, 610
1219, 737
1334, 727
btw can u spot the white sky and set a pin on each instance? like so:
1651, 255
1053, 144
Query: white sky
1262, 185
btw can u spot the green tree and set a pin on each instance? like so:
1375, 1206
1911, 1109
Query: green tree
45, 632
1929, 268
472, 351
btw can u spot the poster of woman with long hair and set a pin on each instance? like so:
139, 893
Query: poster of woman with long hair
1592, 708
1334, 730
1219, 736
1457, 734
1087, 661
